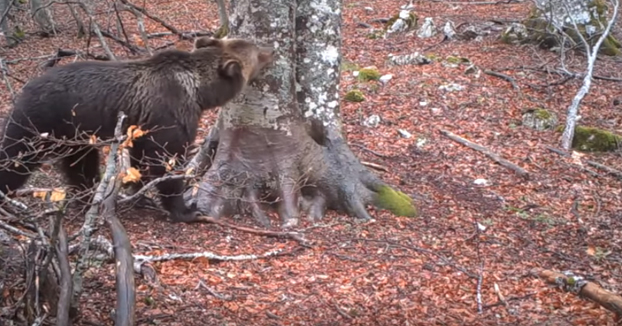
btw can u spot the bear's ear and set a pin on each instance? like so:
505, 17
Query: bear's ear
266, 55
231, 69
205, 42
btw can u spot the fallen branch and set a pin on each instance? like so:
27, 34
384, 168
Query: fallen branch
606, 168
15, 230
375, 166
564, 154
141, 259
212, 292
504, 77
571, 283
275, 234
369, 150
505, 301
494, 156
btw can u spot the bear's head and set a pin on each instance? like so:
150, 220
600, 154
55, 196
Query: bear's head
240, 56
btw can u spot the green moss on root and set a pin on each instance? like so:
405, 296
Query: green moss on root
395, 201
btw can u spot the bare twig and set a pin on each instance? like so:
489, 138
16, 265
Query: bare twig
494, 156
152, 17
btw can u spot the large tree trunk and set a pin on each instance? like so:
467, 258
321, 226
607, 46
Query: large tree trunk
281, 144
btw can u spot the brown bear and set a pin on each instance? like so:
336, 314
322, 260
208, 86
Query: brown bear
165, 93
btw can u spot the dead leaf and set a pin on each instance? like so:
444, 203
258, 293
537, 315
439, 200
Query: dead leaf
131, 175
591, 250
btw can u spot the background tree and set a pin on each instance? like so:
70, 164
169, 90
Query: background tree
281, 144
571, 24
5, 7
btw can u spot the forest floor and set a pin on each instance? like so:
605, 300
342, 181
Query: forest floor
395, 270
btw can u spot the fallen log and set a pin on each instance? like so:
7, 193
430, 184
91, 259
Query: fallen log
571, 283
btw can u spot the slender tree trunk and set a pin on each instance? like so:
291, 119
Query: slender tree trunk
280, 144
5, 7
76, 17
42, 17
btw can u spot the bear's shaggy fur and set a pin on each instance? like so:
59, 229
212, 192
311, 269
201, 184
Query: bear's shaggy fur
165, 94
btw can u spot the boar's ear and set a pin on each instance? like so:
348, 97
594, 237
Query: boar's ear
204, 42
230, 69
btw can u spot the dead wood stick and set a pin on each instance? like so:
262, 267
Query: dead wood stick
564, 154
502, 76
494, 156
606, 168
124, 261
375, 166
126, 295
369, 150
582, 287
139, 260
89, 226
212, 292
276, 234
66, 286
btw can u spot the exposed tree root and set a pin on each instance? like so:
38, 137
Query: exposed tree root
255, 169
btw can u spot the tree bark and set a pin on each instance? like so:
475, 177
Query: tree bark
280, 144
